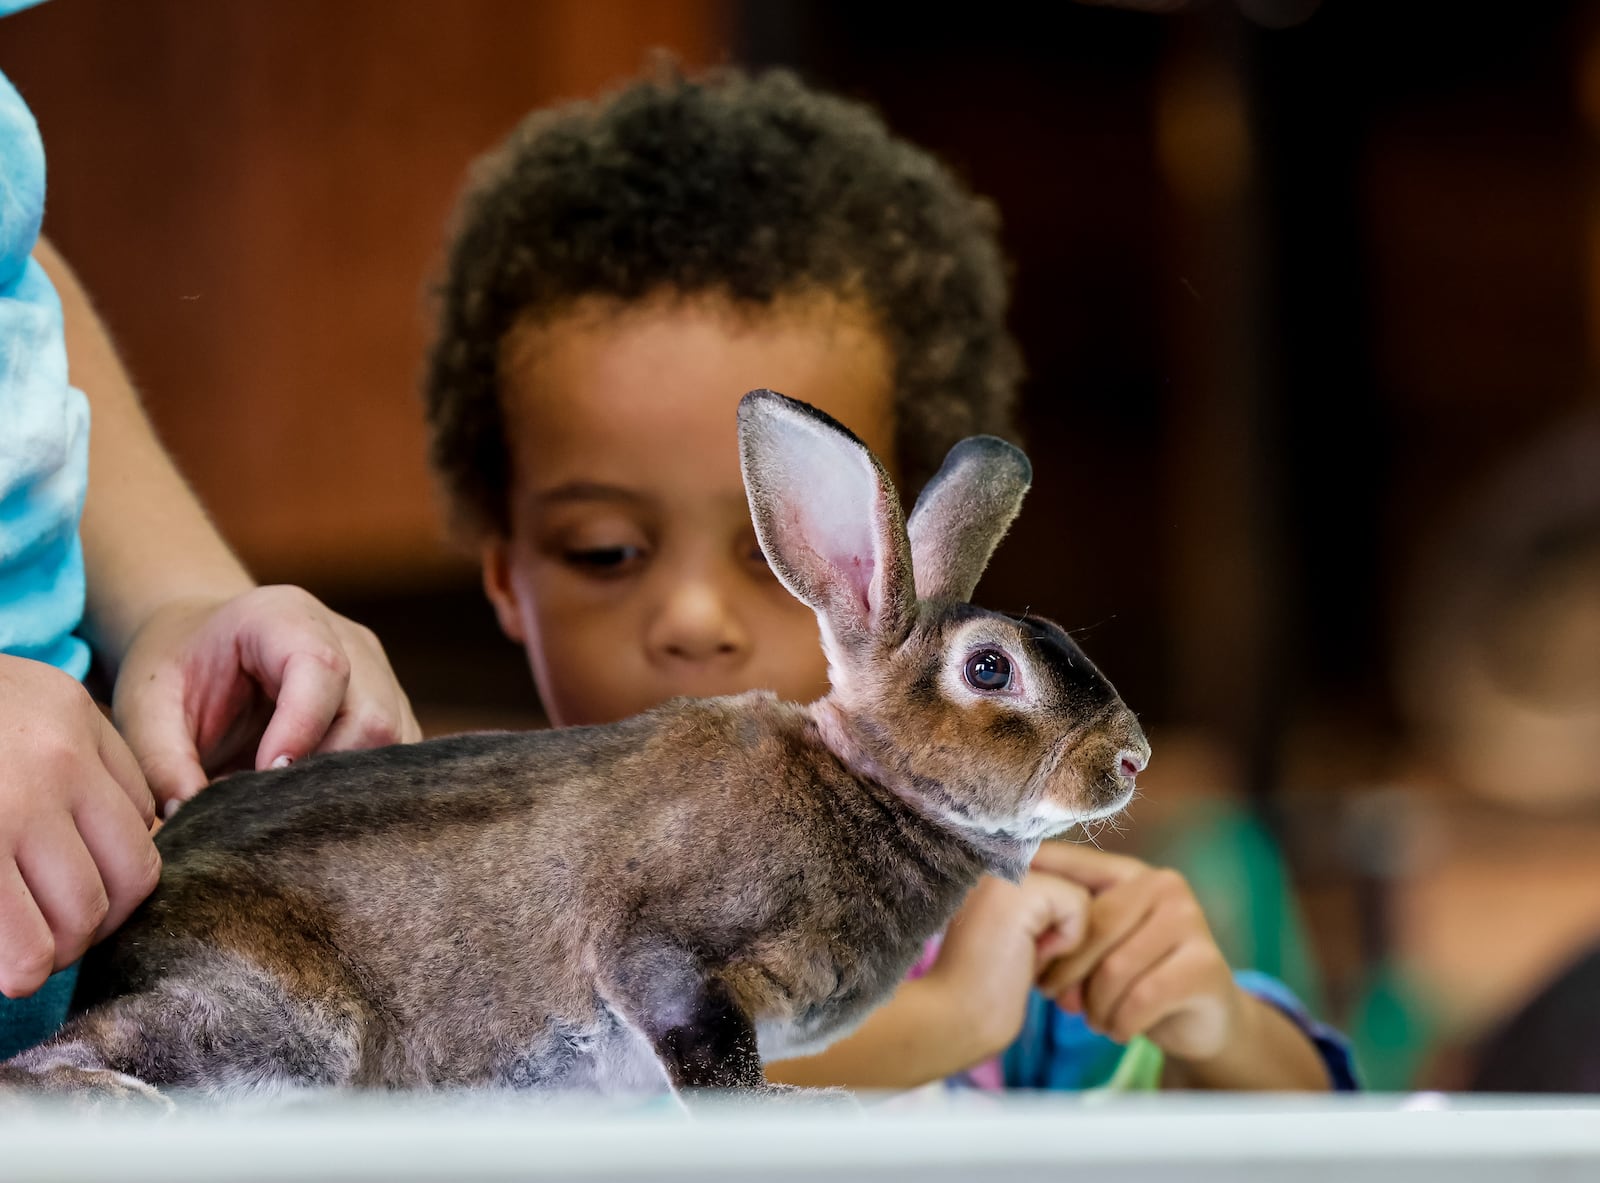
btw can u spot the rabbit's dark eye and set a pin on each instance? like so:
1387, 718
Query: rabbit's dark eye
988, 669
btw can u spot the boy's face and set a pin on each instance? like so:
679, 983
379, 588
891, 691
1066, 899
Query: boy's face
632, 573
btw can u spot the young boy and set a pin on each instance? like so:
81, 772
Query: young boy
622, 273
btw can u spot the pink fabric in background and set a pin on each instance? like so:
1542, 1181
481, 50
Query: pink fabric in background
986, 1075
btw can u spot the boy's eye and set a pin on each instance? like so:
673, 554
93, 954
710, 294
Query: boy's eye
750, 546
604, 559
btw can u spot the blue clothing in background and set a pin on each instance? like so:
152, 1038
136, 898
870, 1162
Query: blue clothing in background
44, 423
1057, 1050
27, 1021
44, 471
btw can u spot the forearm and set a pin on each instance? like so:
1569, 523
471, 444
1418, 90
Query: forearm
915, 1037
146, 540
1268, 1053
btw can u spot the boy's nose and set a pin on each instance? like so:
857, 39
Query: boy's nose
696, 623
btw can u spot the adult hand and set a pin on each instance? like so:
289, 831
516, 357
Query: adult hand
75, 815
262, 679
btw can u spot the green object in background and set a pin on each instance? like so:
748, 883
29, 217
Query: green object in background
1391, 1030
1139, 1070
1239, 876
1232, 862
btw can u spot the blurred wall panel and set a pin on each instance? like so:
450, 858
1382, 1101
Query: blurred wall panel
257, 195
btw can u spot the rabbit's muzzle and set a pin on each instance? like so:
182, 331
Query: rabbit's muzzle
1099, 776
1132, 760
1117, 784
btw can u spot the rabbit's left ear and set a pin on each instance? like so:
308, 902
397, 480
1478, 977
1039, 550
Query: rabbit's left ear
963, 513
828, 519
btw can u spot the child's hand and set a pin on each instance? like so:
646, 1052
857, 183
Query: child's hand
970, 1004
75, 814
1147, 964
203, 682
996, 945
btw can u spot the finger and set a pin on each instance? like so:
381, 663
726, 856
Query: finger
1095, 869
360, 727
410, 729
1159, 992
1126, 963
156, 725
124, 853
120, 762
27, 950
308, 688
376, 710
375, 713
239, 721
65, 883
1111, 918
1065, 919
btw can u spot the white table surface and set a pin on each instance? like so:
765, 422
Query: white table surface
1372, 1139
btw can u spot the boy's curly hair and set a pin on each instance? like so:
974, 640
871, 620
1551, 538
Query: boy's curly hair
755, 187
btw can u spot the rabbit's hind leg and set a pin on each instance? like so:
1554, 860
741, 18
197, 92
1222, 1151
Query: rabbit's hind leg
74, 1073
218, 1037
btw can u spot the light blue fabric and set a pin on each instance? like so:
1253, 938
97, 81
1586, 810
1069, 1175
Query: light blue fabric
44, 471
44, 423
1057, 1050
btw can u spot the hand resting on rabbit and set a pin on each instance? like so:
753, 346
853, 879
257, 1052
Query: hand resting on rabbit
660, 902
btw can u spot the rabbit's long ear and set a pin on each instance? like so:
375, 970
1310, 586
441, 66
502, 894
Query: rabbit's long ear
828, 519
963, 513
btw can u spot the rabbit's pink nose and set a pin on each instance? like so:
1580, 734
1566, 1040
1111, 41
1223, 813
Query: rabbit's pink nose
1131, 764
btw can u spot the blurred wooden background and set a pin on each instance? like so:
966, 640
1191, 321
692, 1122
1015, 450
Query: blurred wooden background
258, 193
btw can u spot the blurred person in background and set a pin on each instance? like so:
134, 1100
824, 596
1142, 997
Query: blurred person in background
1551, 1045
1496, 893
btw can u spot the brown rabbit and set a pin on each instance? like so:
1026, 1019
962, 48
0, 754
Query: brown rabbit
659, 902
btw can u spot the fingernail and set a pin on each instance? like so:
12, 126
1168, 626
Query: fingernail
283, 761
170, 808
1071, 929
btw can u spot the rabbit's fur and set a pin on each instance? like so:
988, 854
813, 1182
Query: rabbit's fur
662, 901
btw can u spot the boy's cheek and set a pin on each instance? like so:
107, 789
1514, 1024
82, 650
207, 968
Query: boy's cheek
585, 650
583, 674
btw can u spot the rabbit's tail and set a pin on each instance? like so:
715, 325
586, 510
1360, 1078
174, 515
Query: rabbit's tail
70, 1071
